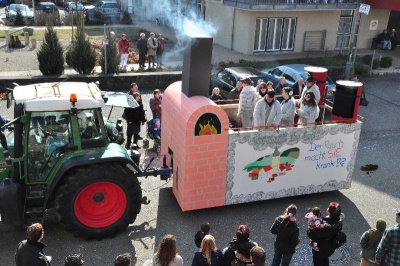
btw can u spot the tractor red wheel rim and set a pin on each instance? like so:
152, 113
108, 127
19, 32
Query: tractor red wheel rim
100, 204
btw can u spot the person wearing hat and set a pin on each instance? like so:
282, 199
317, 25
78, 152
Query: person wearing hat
235, 92
152, 45
267, 111
123, 50
310, 86
247, 100
388, 251
142, 47
369, 242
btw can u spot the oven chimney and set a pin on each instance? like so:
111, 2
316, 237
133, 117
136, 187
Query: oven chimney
197, 66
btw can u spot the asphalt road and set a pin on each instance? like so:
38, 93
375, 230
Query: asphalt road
371, 196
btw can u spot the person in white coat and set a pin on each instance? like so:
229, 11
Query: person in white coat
311, 86
247, 101
267, 111
288, 107
309, 109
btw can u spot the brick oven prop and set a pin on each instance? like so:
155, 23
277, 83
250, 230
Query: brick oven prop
194, 133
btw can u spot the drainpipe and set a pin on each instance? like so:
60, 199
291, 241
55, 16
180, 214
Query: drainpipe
350, 60
233, 27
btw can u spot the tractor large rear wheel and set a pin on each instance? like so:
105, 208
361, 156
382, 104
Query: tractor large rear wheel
99, 200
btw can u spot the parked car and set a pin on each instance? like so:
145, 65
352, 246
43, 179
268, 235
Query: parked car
226, 79
74, 8
45, 12
292, 73
104, 11
11, 11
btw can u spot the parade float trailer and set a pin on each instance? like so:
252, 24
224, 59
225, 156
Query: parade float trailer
215, 165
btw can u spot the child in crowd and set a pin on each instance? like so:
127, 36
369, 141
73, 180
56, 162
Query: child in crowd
314, 219
155, 128
204, 230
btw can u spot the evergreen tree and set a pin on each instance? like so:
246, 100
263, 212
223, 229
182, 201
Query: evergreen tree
83, 55
19, 19
50, 55
112, 56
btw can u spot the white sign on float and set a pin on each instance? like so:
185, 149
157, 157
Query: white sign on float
293, 161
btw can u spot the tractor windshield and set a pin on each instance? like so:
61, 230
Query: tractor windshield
48, 134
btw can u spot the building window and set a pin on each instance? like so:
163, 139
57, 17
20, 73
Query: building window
344, 30
274, 34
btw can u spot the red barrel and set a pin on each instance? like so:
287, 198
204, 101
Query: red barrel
347, 101
319, 74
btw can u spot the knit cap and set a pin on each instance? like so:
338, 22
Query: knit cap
381, 225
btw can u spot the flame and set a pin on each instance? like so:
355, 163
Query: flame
207, 129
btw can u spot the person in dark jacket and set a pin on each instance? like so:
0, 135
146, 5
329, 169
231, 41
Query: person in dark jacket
324, 234
287, 236
298, 88
239, 248
209, 255
215, 96
30, 251
369, 242
279, 88
155, 104
198, 237
142, 47
134, 118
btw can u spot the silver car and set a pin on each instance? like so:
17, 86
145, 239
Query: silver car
104, 11
11, 11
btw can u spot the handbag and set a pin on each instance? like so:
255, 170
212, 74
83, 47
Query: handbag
363, 100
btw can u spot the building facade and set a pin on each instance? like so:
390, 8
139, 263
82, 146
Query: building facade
259, 26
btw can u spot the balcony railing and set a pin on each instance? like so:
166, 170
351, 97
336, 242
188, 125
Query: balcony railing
293, 4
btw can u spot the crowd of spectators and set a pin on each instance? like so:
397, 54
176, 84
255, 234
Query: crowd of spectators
379, 245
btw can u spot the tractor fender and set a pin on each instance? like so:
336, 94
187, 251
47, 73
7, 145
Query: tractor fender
88, 159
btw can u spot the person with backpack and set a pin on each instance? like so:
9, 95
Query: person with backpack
326, 235
287, 236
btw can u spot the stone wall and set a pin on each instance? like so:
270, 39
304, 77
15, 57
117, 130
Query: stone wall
120, 82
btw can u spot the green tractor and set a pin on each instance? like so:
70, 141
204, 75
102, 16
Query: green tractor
59, 152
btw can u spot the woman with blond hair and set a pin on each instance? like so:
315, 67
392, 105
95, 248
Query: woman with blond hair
166, 254
209, 254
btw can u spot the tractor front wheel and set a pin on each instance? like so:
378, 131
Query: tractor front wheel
99, 200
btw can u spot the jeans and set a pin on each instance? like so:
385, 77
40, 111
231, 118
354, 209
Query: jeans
280, 257
159, 59
124, 60
387, 43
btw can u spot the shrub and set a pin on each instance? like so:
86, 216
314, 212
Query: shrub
50, 55
126, 18
366, 59
82, 55
19, 19
375, 65
44, 19
361, 70
112, 56
68, 57
386, 62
